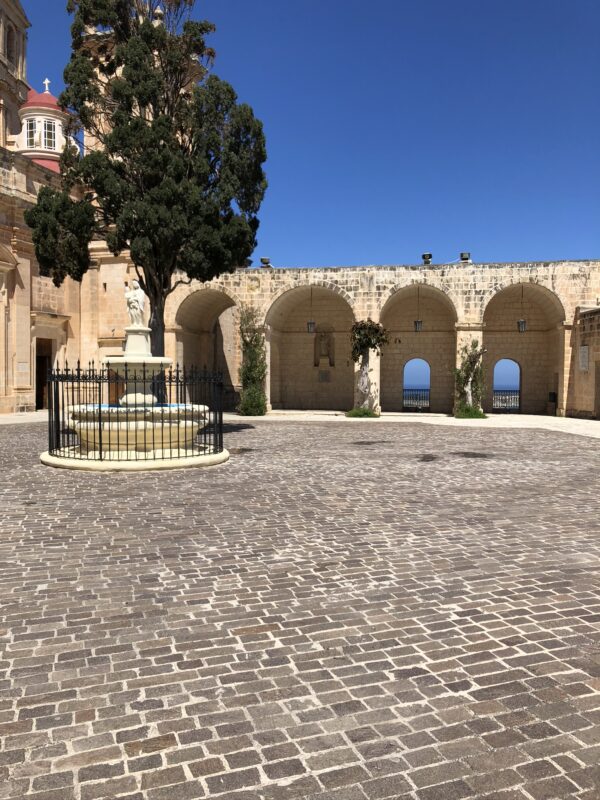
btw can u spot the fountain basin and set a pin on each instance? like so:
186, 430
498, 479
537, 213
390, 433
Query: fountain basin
155, 429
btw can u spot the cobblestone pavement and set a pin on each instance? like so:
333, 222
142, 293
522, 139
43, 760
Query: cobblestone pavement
342, 612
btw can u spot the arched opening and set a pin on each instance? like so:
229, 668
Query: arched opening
416, 384
524, 324
310, 365
421, 324
506, 386
11, 45
208, 338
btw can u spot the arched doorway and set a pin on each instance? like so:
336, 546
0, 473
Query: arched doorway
310, 364
506, 387
208, 338
421, 324
524, 323
416, 385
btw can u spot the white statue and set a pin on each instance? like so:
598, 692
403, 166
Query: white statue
136, 299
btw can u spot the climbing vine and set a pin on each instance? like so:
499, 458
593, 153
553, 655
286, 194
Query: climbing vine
470, 382
253, 371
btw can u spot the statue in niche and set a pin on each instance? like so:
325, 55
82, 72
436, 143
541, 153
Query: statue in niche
135, 299
324, 347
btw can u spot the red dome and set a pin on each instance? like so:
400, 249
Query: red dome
41, 100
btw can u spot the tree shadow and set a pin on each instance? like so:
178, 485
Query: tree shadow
235, 427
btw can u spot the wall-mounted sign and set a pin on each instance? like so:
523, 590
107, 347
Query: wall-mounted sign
584, 358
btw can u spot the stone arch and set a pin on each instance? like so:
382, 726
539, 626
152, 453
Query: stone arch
550, 300
434, 343
538, 350
7, 257
329, 285
416, 397
207, 336
311, 369
444, 297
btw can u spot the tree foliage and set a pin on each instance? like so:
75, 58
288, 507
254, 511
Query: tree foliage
174, 175
367, 335
253, 370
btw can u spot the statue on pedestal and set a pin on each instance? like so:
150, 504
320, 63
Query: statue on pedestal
136, 300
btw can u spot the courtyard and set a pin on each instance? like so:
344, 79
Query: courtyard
349, 611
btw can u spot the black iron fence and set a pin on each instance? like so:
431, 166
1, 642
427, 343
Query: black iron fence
122, 413
415, 399
508, 400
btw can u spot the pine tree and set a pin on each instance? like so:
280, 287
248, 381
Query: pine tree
175, 174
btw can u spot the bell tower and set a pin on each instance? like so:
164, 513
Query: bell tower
13, 68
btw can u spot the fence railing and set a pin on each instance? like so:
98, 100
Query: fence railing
508, 400
134, 414
415, 399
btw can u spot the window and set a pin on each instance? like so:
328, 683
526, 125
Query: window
30, 134
11, 45
49, 134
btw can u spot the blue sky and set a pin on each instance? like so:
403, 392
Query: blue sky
396, 127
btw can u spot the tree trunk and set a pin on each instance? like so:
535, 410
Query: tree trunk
469, 392
364, 384
157, 325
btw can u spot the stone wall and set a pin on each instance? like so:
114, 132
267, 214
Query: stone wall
458, 303
584, 368
35, 316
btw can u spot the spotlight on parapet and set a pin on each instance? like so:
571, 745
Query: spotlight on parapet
266, 263
465, 258
426, 258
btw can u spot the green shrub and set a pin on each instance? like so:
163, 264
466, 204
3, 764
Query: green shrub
362, 412
253, 371
253, 402
463, 411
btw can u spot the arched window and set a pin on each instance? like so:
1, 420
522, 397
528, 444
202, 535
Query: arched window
11, 45
507, 386
416, 384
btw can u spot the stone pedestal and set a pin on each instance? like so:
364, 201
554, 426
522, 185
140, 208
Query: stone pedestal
137, 341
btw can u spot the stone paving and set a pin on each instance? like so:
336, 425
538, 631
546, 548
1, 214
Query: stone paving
342, 612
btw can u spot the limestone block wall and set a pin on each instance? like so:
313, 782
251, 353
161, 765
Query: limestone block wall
537, 351
311, 370
553, 292
202, 328
584, 367
435, 343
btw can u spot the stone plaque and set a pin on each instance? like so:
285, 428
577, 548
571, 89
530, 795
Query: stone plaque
324, 376
584, 358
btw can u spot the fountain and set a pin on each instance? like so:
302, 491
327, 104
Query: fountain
155, 419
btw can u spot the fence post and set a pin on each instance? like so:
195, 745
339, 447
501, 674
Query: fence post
100, 413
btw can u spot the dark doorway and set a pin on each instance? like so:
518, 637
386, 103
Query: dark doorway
43, 362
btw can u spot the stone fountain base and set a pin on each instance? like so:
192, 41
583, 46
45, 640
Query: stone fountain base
195, 459
137, 432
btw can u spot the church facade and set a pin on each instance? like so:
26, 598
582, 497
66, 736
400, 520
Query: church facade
544, 317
